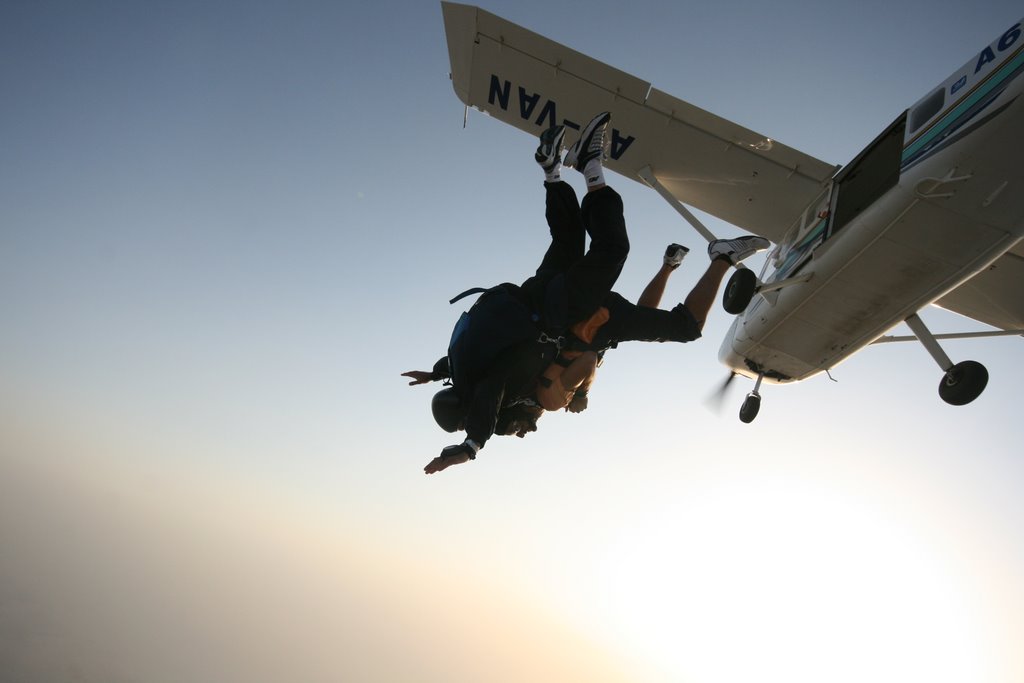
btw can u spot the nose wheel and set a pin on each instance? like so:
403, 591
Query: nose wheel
752, 403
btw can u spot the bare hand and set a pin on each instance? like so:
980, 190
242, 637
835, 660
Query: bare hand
451, 455
578, 404
419, 377
442, 461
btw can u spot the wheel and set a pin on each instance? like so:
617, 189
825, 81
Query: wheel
963, 383
751, 405
739, 290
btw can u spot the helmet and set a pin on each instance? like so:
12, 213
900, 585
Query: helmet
449, 412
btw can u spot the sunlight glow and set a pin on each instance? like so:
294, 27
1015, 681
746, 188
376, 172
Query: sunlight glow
774, 580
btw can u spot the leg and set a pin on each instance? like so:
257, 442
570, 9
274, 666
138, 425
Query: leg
568, 239
655, 289
703, 295
629, 322
683, 323
646, 322
547, 288
590, 279
574, 296
651, 297
561, 208
565, 223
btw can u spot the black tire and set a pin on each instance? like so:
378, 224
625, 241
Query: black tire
748, 411
963, 383
739, 290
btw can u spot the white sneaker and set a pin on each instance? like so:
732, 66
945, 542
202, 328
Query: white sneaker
590, 145
736, 250
674, 255
549, 152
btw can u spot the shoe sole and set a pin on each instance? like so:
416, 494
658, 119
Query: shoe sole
748, 247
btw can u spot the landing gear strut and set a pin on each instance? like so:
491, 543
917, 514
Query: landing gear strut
961, 383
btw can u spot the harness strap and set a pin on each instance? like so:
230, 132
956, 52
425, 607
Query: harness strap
470, 292
528, 402
559, 342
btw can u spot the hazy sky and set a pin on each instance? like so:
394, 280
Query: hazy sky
226, 228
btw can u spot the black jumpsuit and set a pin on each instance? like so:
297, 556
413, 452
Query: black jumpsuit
574, 285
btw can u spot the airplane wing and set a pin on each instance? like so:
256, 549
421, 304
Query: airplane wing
993, 296
705, 161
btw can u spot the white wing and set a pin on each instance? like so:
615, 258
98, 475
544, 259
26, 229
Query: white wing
705, 161
994, 296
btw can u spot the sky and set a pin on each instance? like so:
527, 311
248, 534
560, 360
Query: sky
226, 228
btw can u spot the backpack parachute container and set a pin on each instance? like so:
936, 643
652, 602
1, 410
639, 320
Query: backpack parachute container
497, 321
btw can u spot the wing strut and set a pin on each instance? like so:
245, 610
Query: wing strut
928, 339
957, 335
647, 175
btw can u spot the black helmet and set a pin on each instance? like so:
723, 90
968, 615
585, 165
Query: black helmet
449, 413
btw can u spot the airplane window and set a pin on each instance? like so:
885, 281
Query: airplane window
924, 112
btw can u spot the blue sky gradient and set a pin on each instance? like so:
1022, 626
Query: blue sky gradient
227, 228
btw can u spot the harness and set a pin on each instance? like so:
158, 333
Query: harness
560, 341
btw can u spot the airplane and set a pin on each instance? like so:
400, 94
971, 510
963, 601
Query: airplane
930, 212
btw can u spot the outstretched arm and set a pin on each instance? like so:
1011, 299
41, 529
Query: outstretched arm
439, 372
419, 376
453, 455
483, 413
488, 395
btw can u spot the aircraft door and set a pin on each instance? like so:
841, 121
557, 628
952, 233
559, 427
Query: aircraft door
874, 172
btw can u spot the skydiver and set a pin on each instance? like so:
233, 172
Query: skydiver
571, 289
566, 382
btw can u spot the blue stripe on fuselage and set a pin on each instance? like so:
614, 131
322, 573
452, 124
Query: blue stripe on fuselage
964, 111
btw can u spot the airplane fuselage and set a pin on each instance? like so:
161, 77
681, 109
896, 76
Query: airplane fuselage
933, 201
